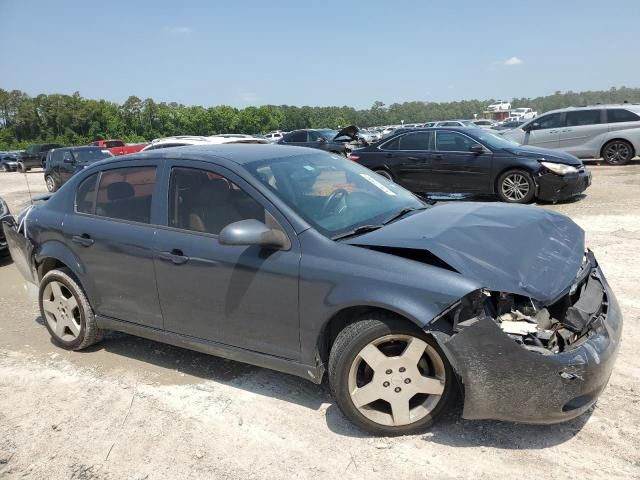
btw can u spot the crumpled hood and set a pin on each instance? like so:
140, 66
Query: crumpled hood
351, 132
519, 249
557, 156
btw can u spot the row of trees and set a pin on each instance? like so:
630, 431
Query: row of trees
73, 120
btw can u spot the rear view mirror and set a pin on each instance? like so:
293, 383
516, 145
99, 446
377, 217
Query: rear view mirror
253, 232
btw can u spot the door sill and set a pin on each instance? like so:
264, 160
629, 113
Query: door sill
313, 373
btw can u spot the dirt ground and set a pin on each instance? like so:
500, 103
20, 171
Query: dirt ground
136, 409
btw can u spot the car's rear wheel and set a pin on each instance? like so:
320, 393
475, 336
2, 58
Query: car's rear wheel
384, 174
617, 152
52, 186
388, 377
22, 168
66, 311
516, 186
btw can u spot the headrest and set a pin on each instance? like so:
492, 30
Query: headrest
120, 191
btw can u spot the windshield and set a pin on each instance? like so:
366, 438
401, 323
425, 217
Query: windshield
90, 156
493, 140
328, 135
333, 194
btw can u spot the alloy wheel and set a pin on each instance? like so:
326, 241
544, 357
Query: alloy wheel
62, 311
51, 184
396, 380
515, 187
617, 152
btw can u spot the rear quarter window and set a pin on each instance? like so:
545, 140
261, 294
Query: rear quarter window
618, 115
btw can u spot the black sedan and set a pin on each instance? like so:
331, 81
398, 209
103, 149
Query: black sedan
474, 161
304, 262
335, 141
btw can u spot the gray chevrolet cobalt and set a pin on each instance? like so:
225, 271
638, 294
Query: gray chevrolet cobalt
307, 263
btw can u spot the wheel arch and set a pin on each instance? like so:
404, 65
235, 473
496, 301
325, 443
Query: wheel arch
347, 315
619, 139
56, 254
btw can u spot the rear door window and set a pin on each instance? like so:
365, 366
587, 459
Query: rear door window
416, 141
126, 193
296, 137
618, 115
86, 195
583, 117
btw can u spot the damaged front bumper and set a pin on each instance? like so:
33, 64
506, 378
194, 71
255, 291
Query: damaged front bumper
503, 380
552, 187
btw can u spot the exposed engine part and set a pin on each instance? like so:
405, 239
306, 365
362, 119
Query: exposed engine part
538, 328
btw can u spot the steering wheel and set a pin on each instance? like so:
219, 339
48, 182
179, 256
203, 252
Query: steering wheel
332, 200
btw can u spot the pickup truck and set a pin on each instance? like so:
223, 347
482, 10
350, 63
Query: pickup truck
118, 147
34, 156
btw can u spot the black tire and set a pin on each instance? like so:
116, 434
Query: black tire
520, 178
21, 168
617, 152
51, 183
384, 173
89, 333
344, 352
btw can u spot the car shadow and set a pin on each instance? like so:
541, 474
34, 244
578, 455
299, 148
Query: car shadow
454, 431
451, 429
258, 380
5, 259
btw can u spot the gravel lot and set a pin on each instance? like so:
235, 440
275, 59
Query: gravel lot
133, 408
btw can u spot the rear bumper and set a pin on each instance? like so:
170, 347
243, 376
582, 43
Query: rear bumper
504, 381
552, 187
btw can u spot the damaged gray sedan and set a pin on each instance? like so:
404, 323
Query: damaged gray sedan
306, 263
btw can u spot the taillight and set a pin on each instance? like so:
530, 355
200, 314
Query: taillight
353, 157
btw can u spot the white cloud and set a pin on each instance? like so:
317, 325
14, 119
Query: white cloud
513, 61
179, 30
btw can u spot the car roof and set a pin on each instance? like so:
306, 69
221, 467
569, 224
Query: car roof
635, 107
84, 147
234, 152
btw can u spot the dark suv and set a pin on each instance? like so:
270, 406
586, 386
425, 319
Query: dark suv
334, 141
34, 156
62, 163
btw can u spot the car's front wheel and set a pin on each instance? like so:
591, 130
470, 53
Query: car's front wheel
4, 168
22, 168
52, 186
388, 377
66, 311
617, 152
516, 186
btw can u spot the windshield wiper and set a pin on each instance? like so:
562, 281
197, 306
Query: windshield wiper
402, 213
357, 231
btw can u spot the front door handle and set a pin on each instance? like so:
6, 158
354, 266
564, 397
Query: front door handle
437, 156
85, 239
175, 256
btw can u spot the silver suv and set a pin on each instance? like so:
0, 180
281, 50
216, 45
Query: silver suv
611, 132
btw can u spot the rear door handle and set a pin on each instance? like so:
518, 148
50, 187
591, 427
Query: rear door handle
174, 256
85, 239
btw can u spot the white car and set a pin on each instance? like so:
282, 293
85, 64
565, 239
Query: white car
611, 132
499, 105
181, 141
274, 136
485, 123
523, 113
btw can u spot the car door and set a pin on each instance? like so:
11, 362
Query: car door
544, 132
408, 157
457, 169
244, 296
298, 138
111, 233
581, 128
65, 165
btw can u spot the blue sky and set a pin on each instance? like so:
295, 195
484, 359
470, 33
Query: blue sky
317, 53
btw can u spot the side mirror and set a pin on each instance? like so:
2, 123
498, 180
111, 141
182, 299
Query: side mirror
531, 126
68, 160
477, 149
253, 232
321, 140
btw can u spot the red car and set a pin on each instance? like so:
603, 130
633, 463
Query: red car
118, 147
